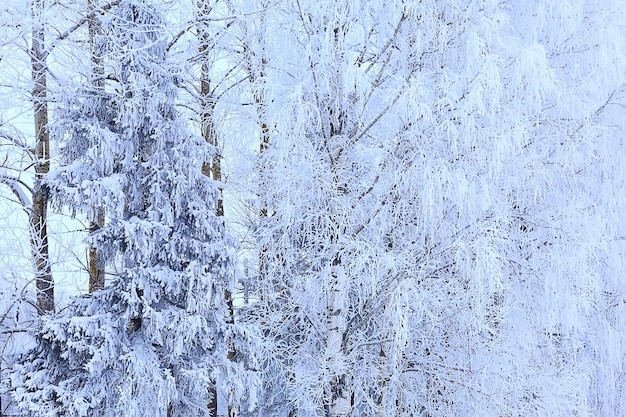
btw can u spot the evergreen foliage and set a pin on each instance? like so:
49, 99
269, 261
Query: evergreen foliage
153, 341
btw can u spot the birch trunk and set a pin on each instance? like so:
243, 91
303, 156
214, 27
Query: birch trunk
340, 390
207, 132
383, 383
38, 215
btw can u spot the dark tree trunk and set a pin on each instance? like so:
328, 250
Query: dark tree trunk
39, 212
95, 264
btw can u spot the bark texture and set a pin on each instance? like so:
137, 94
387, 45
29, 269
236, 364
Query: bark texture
96, 267
39, 212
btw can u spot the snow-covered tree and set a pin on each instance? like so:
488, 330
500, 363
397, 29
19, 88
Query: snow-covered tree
217, 74
435, 207
26, 180
428, 244
153, 340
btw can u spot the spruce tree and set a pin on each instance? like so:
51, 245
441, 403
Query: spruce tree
154, 338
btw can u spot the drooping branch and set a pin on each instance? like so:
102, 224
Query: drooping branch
17, 186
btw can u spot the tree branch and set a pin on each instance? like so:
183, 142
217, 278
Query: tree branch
78, 25
15, 184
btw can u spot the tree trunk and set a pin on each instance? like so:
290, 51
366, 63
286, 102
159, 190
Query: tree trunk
263, 212
383, 383
340, 391
96, 267
38, 215
213, 168
207, 104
